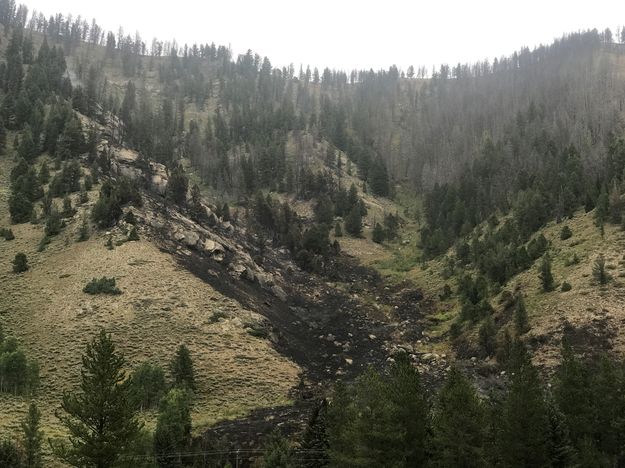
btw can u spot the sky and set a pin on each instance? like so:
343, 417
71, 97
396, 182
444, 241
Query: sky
348, 34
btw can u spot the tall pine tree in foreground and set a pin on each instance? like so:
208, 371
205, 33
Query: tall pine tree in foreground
458, 425
32, 437
99, 418
523, 432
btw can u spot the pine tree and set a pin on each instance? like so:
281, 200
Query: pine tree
182, 368
353, 222
84, 232
561, 451
573, 395
521, 322
378, 179
338, 231
458, 425
599, 271
32, 438
523, 432
278, 453
315, 439
20, 263
602, 208
545, 275
377, 235
99, 418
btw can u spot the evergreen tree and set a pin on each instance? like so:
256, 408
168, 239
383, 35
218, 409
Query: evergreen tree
602, 208
182, 368
523, 432
561, 451
353, 222
20, 263
378, 234
459, 430
278, 453
177, 185
32, 437
10, 456
378, 179
315, 439
99, 418
338, 231
172, 436
20, 207
573, 395
599, 271
545, 275
521, 322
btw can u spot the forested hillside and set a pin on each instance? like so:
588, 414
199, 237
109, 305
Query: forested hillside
208, 260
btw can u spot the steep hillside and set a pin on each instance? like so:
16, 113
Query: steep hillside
162, 306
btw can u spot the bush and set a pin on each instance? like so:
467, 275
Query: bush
566, 233
566, 286
7, 234
103, 285
133, 235
84, 232
20, 263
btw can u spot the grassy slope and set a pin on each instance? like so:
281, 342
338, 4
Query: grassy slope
161, 306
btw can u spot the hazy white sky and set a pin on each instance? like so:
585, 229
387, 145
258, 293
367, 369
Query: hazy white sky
351, 34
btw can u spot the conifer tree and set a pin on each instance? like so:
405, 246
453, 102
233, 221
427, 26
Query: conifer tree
377, 235
182, 368
599, 271
315, 439
99, 418
458, 425
545, 275
32, 437
521, 322
353, 222
523, 433
20, 263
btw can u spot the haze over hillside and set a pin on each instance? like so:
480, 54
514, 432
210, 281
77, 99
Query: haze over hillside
210, 260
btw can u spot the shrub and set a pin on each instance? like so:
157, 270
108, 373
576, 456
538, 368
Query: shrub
7, 234
20, 263
566, 287
84, 233
133, 235
129, 217
102, 285
566, 233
